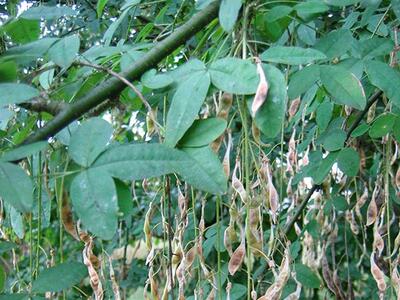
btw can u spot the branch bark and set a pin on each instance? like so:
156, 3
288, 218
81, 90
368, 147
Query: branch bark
114, 86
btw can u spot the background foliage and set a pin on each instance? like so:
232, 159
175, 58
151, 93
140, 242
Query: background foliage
199, 149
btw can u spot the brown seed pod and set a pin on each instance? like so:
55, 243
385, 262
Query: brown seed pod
225, 105
262, 89
237, 257
372, 212
397, 178
114, 284
237, 185
294, 106
378, 243
226, 160
377, 274
67, 218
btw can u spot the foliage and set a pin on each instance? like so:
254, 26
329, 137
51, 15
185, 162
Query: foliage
199, 149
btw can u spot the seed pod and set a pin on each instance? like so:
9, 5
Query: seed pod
228, 290
237, 257
147, 228
377, 274
361, 201
272, 195
226, 160
294, 106
237, 185
88, 259
378, 243
372, 212
255, 131
114, 283
397, 178
262, 89
67, 218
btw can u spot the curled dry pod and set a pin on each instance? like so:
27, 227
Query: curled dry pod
94, 278
396, 244
361, 201
147, 228
190, 256
262, 89
114, 284
237, 185
67, 219
377, 274
237, 257
397, 178
228, 290
294, 106
272, 196
227, 240
183, 205
226, 160
378, 243
372, 212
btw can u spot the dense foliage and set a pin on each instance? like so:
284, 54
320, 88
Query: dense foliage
176, 149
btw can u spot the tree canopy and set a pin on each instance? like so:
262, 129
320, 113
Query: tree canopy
175, 149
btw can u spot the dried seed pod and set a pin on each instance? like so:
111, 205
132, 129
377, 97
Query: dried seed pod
378, 243
228, 290
377, 274
88, 260
237, 257
190, 256
262, 89
227, 241
397, 178
114, 283
272, 194
237, 184
361, 201
226, 160
294, 106
67, 218
147, 228
255, 131
372, 212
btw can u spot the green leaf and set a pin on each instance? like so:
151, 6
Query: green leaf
340, 203
360, 130
63, 52
23, 151
22, 30
203, 132
124, 195
139, 161
344, 87
306, 276
324, 115
60, 277
129, 4
382, 125
278, 12
374, 46
7, 246
291, 55
341, 2
89, 140
385, 78
14, 297
206, 173
228, 13
303, 80
48, 12
8, 71
304, 9
335, 43
234, 75
30, 52
323, 168
333, 139
129, 58
108, 35
16, 187
349, 161
271, 114
94, 199
154, 81
100, 7
185, 106
11, 93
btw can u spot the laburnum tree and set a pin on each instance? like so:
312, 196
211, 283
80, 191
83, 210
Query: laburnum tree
180, 149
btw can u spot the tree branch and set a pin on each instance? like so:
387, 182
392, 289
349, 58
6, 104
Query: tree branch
303, 204
114, 86
44, 105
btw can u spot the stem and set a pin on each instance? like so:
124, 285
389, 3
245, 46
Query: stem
218, 203
168, 192
39, 222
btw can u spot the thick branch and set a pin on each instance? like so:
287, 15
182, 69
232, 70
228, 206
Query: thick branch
114, 86
357, 122
43, 105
